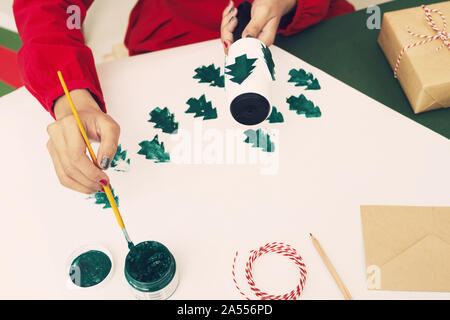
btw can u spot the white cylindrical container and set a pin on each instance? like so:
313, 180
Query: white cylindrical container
249, 73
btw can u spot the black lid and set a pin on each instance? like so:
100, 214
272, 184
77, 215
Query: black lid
243, 18
250, 108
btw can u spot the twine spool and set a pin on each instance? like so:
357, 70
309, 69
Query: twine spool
273, 247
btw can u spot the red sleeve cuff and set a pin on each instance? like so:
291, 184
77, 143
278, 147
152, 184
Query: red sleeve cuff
58, 91
307, 13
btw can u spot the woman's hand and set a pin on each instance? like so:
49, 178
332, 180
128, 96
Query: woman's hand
265, 19
67, 148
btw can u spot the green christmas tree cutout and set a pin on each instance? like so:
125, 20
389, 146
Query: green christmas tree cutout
164, 120
269, 60
303, 79
259, 139
275, 116
102, 199
201, 108
154, 150
210, 74
241, 68
120, 162
304, 106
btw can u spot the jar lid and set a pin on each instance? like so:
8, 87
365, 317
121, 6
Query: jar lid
149, 266
250, 108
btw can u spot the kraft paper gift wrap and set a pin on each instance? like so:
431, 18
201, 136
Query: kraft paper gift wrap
407, 248
423, 72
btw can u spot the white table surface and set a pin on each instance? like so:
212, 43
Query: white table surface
358, 153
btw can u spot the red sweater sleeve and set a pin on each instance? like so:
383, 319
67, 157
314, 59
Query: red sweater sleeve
49, 45
310, 12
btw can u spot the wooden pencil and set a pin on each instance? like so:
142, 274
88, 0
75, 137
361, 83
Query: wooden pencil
331, 268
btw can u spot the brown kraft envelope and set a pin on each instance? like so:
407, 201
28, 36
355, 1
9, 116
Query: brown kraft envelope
423, 73
407, 248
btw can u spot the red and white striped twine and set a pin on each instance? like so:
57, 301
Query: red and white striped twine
440, 34
273, 247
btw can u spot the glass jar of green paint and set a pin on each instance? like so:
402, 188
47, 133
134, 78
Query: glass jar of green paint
151, 271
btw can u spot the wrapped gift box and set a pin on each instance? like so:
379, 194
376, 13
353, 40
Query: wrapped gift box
410, 39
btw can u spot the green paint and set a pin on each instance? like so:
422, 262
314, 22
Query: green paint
201, 108
149, 266
275, 116
211, 75
90, 268
241, 68
269, 60
101, 198
164, 120
120, 162
304, 106
154, 150
259, 139
314, 85
302, 78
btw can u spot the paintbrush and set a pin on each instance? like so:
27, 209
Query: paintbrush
107, 189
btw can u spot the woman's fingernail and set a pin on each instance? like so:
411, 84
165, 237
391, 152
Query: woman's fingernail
225, 44
231, 10
105, 163
103, 182
249, 36
232, 19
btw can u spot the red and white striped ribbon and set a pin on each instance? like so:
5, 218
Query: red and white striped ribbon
440, 34
273, 247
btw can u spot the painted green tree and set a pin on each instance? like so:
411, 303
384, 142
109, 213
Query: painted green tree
154, 150
275, 116
201, 108
303, 106
120, 162
210, 74
241, 68
314, 85
164, 120
303, 79
102, 199
269, 60
259, 139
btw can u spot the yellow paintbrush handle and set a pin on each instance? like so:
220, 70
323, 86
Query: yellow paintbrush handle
114, 206
107, 189
77, 118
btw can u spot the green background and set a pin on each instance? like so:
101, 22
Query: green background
11, 40
346, 49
